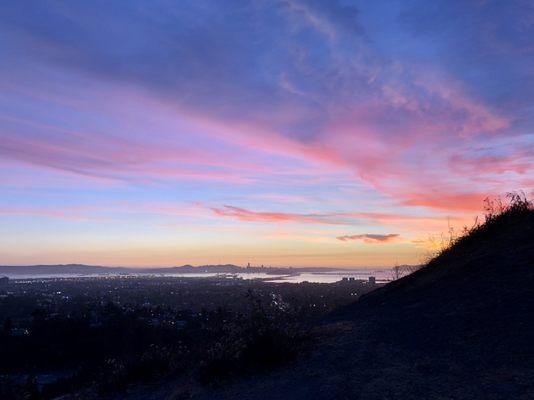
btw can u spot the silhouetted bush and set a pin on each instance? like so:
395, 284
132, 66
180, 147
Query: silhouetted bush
267, 337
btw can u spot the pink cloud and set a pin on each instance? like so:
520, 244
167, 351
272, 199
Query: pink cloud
451, 202
371, 237
152, 139
115, 210
401, 221
520, 161
261, 216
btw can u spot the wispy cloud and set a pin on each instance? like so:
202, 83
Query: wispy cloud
370, 237
419, 222
265, 216
267, 109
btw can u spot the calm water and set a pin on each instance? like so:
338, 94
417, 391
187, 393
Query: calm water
381, 275
315, 277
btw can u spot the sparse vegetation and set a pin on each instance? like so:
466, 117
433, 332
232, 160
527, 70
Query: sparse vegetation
399, 271
496, 213
268, 336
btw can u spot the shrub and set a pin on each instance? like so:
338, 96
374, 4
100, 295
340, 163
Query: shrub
265, 338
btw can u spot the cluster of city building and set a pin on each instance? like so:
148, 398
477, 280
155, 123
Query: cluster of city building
351, 279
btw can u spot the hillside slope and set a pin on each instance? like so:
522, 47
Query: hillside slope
460, 328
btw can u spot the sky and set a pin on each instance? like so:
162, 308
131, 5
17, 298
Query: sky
285, 133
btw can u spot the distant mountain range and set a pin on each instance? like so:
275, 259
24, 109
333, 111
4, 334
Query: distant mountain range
81, 269
93, 269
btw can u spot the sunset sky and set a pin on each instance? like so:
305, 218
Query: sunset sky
302, 133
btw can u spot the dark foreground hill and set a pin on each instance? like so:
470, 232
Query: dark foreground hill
460, 328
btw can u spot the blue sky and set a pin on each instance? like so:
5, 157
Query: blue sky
162, 132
